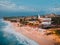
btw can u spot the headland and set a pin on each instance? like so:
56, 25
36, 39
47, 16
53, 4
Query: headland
42, 29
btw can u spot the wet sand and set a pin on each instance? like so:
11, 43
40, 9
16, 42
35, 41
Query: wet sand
34, 34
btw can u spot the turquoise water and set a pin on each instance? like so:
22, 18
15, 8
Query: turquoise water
9, 37
2, 14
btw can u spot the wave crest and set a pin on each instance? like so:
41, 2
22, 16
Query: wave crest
15, 38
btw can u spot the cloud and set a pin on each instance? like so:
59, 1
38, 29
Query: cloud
10, 6
5, 5
54, 9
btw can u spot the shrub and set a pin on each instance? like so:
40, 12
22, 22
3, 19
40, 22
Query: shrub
57, 32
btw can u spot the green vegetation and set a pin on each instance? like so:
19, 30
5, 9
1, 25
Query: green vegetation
56, 20
24, 22
57, 32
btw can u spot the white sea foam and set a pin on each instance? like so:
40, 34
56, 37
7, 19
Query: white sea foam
21, 38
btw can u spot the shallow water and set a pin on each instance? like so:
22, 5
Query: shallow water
9, 37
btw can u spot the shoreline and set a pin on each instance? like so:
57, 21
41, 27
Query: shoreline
33, 34
22, 36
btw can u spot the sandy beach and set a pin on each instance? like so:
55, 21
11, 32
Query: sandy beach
34, 34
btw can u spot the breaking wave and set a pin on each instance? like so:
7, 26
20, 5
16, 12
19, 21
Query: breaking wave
9, 37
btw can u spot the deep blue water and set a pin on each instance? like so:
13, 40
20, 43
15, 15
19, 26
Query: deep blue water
9, 37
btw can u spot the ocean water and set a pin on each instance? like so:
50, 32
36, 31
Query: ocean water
9, 37
2, 14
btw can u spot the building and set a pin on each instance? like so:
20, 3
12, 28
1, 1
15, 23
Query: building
45, 21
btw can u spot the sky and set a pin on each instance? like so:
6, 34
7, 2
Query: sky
30, 6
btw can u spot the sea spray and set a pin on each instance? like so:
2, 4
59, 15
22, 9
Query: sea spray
15, 38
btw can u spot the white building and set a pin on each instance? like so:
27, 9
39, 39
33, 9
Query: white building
46, 22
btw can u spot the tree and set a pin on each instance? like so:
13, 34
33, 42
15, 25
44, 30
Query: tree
56, 21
